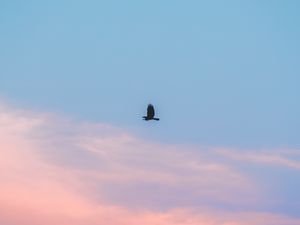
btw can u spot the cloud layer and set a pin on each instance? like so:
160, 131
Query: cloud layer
55, 170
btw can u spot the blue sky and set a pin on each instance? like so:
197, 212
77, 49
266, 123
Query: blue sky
223, 76
219, 73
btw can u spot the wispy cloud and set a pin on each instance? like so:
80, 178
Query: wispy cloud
275, 157
59, 171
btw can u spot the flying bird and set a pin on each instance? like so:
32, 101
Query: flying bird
150, 113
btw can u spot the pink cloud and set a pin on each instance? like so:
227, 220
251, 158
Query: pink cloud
57, 171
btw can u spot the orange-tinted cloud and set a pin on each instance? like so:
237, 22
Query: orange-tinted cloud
58, 171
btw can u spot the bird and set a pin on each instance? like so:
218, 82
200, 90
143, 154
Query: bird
150, 113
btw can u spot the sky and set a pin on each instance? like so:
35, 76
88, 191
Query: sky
76, 78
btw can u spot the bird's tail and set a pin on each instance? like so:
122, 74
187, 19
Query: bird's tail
156, 118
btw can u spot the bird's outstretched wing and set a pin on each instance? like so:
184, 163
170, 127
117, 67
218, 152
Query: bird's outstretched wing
150, 111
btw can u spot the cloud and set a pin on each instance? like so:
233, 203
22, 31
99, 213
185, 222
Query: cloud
275, 157
55, 170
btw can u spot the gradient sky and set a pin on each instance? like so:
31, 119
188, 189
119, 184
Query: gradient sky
223, 76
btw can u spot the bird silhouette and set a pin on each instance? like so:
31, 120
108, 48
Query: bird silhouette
150, 113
